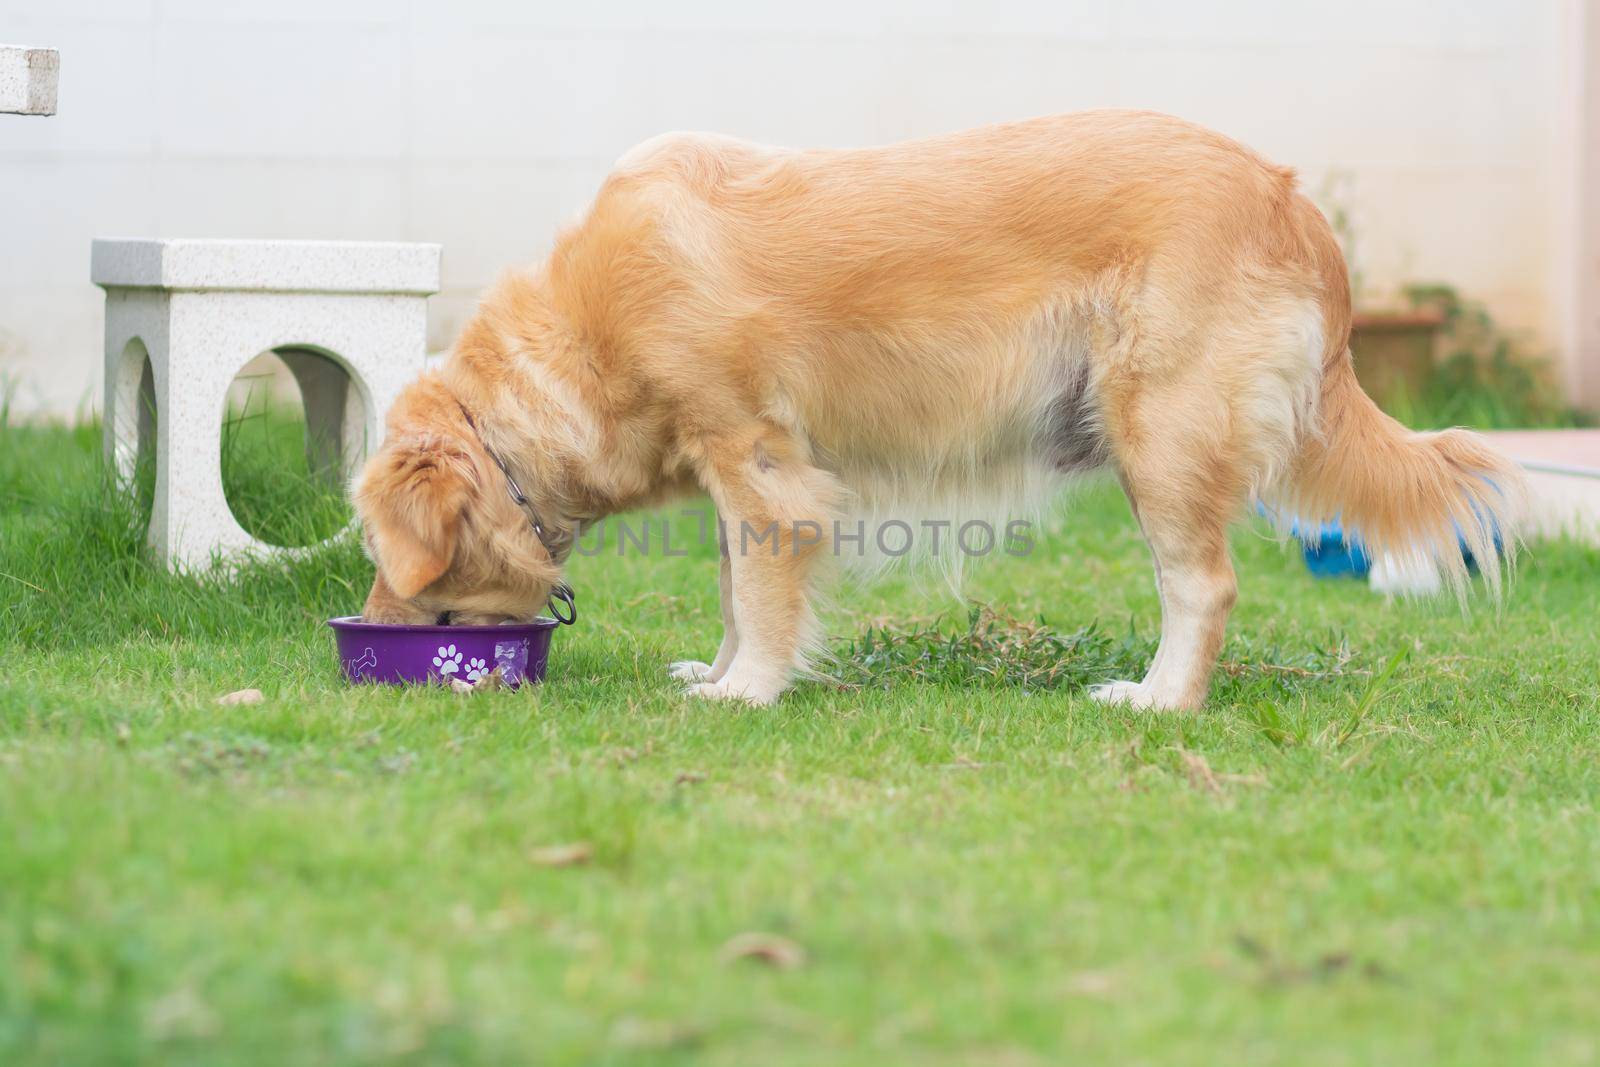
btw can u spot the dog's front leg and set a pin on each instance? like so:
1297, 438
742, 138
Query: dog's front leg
771, 619
774, 506
694, 671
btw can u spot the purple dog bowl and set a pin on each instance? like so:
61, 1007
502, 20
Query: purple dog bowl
396, 655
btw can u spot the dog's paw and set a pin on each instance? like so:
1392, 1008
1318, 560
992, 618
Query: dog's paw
688, 670
1133, 694
1141, 696
726, 690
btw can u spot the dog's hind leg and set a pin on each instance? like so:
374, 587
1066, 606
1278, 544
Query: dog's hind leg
1198, 415
1185, 490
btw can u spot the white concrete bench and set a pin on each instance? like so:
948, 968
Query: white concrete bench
349, 318
28, 80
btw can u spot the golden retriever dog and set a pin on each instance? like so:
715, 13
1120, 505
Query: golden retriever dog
815, 335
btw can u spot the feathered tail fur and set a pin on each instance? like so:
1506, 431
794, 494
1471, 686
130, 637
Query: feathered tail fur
1413, 497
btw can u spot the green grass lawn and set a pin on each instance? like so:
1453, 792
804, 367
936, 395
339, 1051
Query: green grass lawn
1329, 865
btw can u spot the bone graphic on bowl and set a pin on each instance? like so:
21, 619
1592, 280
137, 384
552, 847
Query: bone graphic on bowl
366, 663
511, 657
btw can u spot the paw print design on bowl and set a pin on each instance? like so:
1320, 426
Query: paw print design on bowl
448, 661
476, 669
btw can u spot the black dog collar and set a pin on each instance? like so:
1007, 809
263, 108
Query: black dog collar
562, 593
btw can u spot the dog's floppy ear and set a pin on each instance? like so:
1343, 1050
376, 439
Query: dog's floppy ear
411, 498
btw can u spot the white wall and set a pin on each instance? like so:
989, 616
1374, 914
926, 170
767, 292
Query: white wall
485, 124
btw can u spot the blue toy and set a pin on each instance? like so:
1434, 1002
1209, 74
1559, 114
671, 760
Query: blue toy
1329, 555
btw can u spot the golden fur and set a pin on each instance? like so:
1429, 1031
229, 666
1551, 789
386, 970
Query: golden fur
949, 323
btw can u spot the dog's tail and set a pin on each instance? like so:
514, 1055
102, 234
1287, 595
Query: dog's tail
1412, 498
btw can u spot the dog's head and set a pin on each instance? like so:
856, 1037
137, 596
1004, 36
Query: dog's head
448, 541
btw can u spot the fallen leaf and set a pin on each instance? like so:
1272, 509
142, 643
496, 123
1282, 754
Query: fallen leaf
570, 855
963, 763
241, 696
181, 1014
688, 778
1333, 962
1251, 947
1199, 771
1242, 779
486, 683
1091, 983
631, 1032
771, 949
